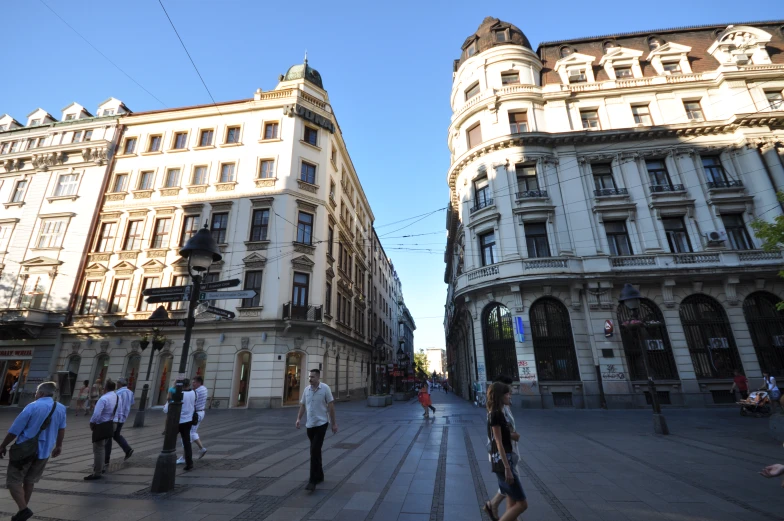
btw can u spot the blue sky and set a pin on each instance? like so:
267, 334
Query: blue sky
387, 67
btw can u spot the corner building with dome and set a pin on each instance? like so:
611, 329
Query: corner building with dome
637, 158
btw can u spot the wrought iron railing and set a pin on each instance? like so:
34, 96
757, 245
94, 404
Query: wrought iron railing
731, 183
605, 192
309, 313
483, 272
531, 193
667, 188
536, 264
746, 256
696, 258
632, 260
482, 204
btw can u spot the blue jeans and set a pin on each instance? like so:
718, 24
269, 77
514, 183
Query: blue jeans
120, 441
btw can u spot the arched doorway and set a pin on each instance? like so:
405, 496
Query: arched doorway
101, 368
132, 370
766, 326
500, 354
551, 333
709, 337
293, 379
656, 342
242, 379
199, 364
72, 366
163, 377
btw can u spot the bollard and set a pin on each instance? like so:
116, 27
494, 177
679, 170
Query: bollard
138, 421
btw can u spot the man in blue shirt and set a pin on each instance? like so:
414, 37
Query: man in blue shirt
22, 479
124, 408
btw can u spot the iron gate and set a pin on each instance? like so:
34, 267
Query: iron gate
551, 332
709, 337
766, 326
654, 339
500, 354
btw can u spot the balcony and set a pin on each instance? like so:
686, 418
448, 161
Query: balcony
26, 323
632, 261
730, 183
530, 194
304, 313
481, 204
696, 258
481, 273
610, 192
658, 189
712, 260
545, 263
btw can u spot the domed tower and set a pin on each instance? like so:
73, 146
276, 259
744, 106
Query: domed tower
304, 77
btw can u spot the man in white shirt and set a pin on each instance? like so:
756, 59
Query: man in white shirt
105, 409
199, 405
318, 401
123, 409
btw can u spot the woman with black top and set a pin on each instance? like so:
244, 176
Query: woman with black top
498, 395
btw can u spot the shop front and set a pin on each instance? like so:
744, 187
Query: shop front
14, 368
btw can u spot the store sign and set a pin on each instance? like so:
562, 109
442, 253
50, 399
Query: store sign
316, 119
16, 352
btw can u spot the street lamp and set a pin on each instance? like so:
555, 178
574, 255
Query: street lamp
157, 344
630, 297
201, 250
378, 345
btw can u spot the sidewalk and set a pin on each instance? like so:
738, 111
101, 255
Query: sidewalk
391, 464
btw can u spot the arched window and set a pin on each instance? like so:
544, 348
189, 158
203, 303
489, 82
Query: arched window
101, 368
500, 355
242, 379
766, 326
163, 378
199, 363
655, 341
709, 337
551, 332
132, 370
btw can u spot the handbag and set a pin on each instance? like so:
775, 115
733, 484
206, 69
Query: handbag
105, 430
22, 453
195, 418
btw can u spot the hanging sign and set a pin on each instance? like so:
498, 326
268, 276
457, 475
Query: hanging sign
608, 328
519, 329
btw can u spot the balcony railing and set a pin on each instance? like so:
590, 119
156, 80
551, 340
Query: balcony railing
607, 192
482, 272
531, 193
667, 188
746, 256
308, 313
634, 260
538, 264
696, 258
731, 183
482, 204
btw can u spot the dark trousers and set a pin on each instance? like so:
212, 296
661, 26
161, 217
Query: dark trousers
185, 434
120, 441
316, 435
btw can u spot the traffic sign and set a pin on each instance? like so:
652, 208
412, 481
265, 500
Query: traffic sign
150, 292
220, 295
225, 313
220, 284
150, 323
181, 296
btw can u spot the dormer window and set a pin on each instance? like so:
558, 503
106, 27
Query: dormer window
472, 91
35, 122
565, 51
608, 46
775, 100
69, 117
502, 36
577, 76
108, 112
654, 43
470, 50
671, 68
510, 78
623, 73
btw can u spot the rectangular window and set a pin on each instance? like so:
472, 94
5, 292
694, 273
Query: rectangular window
472, 91
677, 237
4, 147
145, 180
259, 225
172, 178
330, 240
108, 112
623, 72
31, 143
311, 136
66, 185
218, 227
205, 138
119, 296
299, 294
70, 117
41, 141
88, 135
271, 130
577, 76
470, 50
693, 110
536, 240
657, 172
252, 281
590, 119
14, 146
618, 237
227, 172
714, 172
510, 78
526, 178
671, 67
180, 140
133, 235
474, 135
602, 179
161, 233
182, 280
190, 225
333, 155
775, 100
308, 173
147, 283
77, 137
130, 145
328, 299
33, 293
51, 235
232, 135
518, 122
90, 297
120, 183
106, 237
737, 234
155, 144
482, 192
305, 228
642, 115
266, 169
35, 122
199, 175
487, 247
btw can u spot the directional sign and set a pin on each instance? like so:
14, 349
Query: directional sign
225, 313
220, 295
183, 294
220, 284
150, 323
149, 292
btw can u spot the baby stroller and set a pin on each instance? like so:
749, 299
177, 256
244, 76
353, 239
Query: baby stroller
758, 404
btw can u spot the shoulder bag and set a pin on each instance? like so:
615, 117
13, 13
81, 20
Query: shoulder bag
20, 454
105, 430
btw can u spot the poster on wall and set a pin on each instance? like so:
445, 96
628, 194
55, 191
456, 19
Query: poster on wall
609, 329
519, 329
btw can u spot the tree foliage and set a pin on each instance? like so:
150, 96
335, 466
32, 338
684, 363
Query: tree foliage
772, 235
420, 364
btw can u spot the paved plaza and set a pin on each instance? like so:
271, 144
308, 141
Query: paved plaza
391, 464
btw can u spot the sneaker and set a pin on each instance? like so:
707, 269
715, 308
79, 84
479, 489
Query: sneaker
181, 461
202, 452
92, 477
310, 486
129, 454
23, 515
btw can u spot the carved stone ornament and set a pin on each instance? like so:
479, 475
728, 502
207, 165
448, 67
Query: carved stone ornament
116, 197
254, 260
667, 296
75, 347
730, 289
304, 248
303, 263
298, 341
225, 187
97, 155
244, 341
168, 192
129, 255
104, 346
142, 194
256, 245
265, 183
307, 186
135, 346
199, 343
197, 189
250, 312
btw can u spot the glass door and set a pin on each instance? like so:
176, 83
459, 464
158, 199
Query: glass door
293, 378
244, 379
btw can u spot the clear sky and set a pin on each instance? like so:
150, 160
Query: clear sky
386, 65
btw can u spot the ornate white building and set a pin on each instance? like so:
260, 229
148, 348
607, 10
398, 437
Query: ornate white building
590, 163
51, 181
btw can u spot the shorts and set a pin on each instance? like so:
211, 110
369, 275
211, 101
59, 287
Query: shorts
29, 473
515, 490
195, 428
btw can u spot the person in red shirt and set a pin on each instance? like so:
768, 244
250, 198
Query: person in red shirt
740, 383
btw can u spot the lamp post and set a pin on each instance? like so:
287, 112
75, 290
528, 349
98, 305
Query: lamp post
157, 344
630, 298
378, 345
201, 250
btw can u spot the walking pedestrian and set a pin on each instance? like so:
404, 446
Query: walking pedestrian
773, 390
186, 421
501, 451
199, 405
102, 427
318, 402
741, 383
425, 401
491, 507
83, 399
39, 431
123, 409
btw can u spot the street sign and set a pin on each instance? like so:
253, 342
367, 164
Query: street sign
183, 295
220, 284
150, 323
221, 295
225, 313
150, 292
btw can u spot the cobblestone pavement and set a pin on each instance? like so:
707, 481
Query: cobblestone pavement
392, 464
